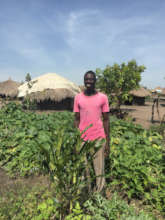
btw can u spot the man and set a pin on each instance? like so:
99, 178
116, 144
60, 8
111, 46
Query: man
89, 107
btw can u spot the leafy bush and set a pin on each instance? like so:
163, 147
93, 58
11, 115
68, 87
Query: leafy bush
137, 163
31, 143
22, 133
159, 129
118, 80
39, 202
35, 203
102, 209
50, 147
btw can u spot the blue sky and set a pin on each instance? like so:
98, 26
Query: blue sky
69, 37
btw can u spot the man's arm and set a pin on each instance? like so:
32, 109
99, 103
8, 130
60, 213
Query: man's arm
77, 119
107, 131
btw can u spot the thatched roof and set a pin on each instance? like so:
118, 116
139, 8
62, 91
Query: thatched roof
49, 86
9, 88
140, 92
55, 95
82, 87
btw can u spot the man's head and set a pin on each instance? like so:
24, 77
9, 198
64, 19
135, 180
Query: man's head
90, 80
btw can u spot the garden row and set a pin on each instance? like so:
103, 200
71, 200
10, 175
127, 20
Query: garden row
31, 143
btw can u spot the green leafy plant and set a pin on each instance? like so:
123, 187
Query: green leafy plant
43, 144
38, 202
34, 203
65, 163
32, 144
117, 81
137, 163
115, 208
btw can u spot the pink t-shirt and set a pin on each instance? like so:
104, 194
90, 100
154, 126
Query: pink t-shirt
91, 108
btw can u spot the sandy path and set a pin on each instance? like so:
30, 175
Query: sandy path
142, 114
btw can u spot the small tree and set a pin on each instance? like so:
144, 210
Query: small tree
29, 104
28, 77
118, 80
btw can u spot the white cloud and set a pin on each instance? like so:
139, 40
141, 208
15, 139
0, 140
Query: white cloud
97, 39
81, 38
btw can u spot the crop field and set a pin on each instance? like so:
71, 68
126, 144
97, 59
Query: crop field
43, 162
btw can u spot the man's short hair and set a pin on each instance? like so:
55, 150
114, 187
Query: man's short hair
90, 72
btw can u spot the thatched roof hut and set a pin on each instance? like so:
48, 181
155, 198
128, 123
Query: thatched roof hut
9, 88
82, 87
139, 96
56, 95
140, 92
50, 88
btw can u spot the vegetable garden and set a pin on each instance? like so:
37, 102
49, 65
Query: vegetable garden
35, 144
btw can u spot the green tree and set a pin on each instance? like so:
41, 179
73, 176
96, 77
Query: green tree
28, 77
118, 80
28, 80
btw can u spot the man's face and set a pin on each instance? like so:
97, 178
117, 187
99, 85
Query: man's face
89, 81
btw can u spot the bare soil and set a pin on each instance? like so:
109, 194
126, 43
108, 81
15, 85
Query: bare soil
142, 114
7, 183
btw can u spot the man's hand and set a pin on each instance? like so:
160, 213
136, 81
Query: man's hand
106, 129
77, 119
107, 150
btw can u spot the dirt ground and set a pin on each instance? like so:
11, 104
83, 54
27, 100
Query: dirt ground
12, 184
142, 114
